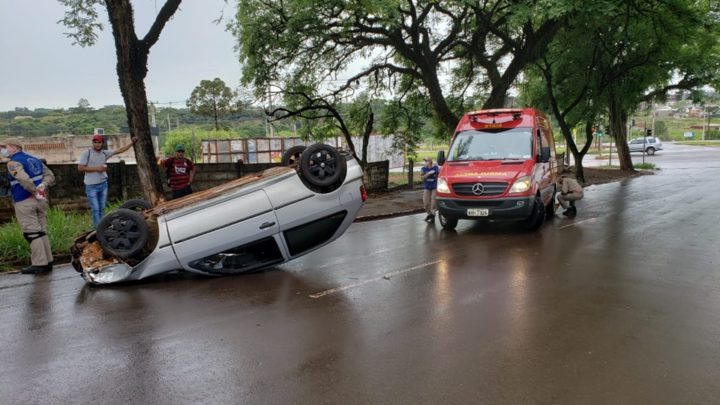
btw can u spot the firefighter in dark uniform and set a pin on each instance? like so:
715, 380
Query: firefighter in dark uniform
29, 179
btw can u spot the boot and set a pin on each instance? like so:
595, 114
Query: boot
35, 269
432, 219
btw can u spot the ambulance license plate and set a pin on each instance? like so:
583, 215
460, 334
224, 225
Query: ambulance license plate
478, 212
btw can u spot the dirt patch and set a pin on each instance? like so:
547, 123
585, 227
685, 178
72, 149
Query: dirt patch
594, 175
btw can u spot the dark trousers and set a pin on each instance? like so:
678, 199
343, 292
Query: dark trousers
182, 192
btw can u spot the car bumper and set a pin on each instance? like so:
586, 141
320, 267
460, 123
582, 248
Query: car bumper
499, 209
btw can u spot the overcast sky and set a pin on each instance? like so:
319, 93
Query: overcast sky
40, 68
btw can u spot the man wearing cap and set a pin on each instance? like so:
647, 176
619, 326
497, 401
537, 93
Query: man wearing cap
429, 176
180, 172
570, 191
29, 179
93, 162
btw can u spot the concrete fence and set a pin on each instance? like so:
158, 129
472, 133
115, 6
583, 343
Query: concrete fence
69, 191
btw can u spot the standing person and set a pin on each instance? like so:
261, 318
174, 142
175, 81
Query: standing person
93, 162
180, 172
570, 191
29, 179
429, 176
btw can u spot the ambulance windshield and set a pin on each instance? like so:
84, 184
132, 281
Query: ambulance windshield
492, 144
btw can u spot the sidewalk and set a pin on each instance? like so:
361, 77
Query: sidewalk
391, 204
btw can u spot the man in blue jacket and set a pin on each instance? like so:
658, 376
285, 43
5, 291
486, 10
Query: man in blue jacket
429, 176
29, 179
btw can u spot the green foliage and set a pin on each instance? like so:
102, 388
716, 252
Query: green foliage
81, 17
192, 140
213, 98
302, 47
81, 120
406, 120
645, 166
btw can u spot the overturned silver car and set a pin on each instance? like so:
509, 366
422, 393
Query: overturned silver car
243, 225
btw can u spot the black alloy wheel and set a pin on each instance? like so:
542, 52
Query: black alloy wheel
322, 166
123, 233
137, 204
292, 155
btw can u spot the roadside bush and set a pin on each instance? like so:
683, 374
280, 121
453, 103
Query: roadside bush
645, 166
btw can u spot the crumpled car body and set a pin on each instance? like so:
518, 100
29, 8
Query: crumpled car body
244, 225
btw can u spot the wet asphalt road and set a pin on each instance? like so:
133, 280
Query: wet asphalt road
620, 305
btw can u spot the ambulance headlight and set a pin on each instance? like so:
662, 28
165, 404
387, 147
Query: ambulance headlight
442, 186
521, 185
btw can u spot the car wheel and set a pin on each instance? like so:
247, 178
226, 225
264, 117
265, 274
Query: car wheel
550, 207
447, 222
292, 155
537, 217
123, 233
650, 151
322, 166
137, 205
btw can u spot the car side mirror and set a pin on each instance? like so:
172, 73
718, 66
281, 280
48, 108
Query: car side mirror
441, 158
544, 154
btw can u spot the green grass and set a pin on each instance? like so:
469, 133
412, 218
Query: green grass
644, 166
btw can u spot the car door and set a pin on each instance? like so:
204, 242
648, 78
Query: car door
636, 145
226, 234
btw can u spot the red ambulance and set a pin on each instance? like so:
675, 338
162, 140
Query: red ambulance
501, 166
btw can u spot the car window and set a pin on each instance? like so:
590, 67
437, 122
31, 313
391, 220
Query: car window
651, 140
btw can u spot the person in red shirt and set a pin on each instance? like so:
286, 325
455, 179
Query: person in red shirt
180, 172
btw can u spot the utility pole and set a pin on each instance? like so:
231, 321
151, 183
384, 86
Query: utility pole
153, 125
653, 119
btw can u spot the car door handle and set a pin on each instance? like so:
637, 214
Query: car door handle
267, 225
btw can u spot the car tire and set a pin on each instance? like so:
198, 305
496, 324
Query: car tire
137, 204
322, 166
292, 155
537, 217
123, 233
650, 151
448, 223
550, 207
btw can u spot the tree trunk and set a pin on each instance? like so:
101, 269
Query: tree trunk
618, 124
366, 137
132, 69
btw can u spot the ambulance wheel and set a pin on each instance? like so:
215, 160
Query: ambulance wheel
447, 222
537, 217
550, 207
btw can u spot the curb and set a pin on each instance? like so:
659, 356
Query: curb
389, 215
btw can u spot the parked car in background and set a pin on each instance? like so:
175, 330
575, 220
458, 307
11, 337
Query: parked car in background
649, 145
246, 224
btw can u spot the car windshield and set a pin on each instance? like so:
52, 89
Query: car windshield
515, 143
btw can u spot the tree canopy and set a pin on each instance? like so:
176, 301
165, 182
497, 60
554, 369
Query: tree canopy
213, 98
450, 51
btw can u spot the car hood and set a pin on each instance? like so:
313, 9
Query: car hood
487, 170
